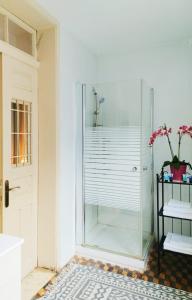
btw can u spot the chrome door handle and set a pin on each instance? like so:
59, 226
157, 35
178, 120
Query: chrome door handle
134, 169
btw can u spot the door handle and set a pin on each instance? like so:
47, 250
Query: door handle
14, 188
145, 168
134, 169
7, 190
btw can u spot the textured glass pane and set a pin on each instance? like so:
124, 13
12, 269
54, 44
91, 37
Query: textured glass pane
19, 37
13, 105
21, 145
27, 106
21, 106
21, 122
14, 145
26, 122
14, 161
21, 160
13, 121
21, 126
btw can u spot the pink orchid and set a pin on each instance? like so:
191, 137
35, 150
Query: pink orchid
164, 131
185, 130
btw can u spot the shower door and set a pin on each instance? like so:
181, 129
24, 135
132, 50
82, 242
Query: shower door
109, 167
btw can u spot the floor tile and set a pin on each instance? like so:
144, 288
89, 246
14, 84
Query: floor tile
33, 282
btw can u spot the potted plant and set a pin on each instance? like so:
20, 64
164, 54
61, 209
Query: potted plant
178, 167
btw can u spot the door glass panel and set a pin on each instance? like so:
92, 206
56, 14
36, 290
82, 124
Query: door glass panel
2, 27
21, 121
19, 37
20, 133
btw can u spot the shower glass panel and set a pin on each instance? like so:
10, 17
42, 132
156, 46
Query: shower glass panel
114, 192
146, 165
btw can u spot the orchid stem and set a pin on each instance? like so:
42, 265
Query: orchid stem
171, 149
179, 147
169, 142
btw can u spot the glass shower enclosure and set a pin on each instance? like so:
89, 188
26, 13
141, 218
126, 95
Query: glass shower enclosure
114, 191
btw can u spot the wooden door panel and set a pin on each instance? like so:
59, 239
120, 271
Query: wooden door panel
20, 218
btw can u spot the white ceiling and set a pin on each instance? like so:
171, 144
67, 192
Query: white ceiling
117, 26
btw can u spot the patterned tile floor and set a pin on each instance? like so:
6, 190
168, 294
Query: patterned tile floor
176, 270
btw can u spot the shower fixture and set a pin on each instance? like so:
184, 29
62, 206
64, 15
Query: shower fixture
97, 111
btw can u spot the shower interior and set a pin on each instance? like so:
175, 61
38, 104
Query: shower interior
114, 169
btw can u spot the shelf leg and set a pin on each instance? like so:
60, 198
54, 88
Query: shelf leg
158, 238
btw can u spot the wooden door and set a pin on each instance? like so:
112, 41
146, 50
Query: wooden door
19, 155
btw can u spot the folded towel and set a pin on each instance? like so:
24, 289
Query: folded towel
178, 209
179, 204
177, 214
178, 243
178, 250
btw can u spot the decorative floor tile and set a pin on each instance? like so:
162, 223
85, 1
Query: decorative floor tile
83, 282
176, 270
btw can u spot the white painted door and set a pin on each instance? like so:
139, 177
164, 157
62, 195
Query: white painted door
19, 144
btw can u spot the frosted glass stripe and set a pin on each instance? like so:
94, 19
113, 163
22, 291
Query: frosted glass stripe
110, 154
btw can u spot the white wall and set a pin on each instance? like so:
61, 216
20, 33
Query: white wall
169, 71
77, 65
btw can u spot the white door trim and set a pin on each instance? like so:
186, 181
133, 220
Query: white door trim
18, 54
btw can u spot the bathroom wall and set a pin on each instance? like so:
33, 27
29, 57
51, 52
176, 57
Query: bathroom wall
77, 65
168, 69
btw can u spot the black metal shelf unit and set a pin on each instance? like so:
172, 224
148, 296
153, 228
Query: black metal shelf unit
160, 215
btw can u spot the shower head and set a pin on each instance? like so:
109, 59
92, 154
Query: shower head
94, 91
101, 100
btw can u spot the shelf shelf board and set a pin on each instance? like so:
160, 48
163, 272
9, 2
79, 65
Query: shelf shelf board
178, 243
172, 217
175, 182
161, 244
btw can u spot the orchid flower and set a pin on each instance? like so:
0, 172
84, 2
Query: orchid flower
183, 130
161, 131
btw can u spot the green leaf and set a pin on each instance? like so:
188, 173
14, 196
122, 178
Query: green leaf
166, 163
175, 159
176, 163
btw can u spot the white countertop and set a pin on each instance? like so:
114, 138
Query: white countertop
9, 243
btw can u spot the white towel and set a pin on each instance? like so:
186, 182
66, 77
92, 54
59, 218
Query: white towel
179, 209
177, 214
178, 243
179, 204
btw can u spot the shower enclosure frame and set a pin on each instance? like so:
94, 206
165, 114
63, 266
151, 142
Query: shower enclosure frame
81, 248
